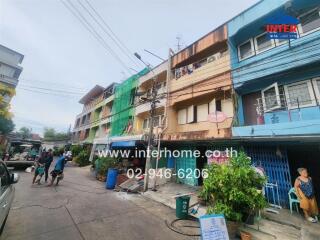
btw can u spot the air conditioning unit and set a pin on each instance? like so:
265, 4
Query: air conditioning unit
214, 57
211, 58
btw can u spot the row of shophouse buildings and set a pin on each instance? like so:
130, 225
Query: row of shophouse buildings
266, 93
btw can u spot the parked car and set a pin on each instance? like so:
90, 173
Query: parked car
7, 191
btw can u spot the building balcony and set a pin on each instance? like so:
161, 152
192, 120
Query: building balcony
207, 70
298, 128
279, 116
200, 131
146, 107
8, 80
155, 72
95, 105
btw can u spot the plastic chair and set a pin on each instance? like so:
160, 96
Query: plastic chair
293, 199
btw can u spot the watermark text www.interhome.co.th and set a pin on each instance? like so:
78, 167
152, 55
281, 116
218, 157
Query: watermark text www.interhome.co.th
166, 153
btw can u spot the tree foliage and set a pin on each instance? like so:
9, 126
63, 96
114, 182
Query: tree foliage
5, 91
234, 189
25, 132
76, 149
52, 134
6, 125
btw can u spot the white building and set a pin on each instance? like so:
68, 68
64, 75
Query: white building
10, 69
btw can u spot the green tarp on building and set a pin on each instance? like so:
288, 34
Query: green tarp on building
123, 105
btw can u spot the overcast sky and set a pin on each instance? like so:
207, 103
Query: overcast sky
62, 56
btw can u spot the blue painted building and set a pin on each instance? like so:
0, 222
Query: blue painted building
277, 86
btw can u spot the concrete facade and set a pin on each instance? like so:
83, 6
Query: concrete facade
94, 121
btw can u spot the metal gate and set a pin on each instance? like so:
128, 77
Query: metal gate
276, 167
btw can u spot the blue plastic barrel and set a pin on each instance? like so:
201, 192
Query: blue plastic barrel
111, 178
171, 162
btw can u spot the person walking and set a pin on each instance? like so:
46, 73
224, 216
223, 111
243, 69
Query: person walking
39, 167
49, 160
305, 192
57, 172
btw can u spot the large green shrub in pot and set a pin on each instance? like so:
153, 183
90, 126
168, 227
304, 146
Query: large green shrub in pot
234, 189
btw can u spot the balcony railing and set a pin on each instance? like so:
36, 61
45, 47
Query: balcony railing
200, 71
283, 102
282, 108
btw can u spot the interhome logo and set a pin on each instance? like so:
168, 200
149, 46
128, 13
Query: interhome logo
282, 27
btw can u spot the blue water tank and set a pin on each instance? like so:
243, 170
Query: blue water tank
111, 178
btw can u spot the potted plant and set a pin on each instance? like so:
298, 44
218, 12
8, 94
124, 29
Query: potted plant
233, 190
102, 164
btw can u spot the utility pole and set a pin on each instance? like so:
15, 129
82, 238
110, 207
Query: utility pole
153, 102
150, 137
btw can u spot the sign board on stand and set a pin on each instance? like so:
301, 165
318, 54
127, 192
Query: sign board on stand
213, 227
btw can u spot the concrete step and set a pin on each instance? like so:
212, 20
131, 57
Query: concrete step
257, 235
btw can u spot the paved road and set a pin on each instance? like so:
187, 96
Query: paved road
82, 209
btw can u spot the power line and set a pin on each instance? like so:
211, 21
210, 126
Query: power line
73, 9
113, 37
48, 93
26, 80
50, 89
109, 28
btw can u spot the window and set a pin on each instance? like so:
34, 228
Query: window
190, 114
145, 123
212, 106
157, 121
263, 43
5, 177
218, 105
245, 50
309, 22
271, 98
182, 116
316, 85
299, 94
227, 107
202, 113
